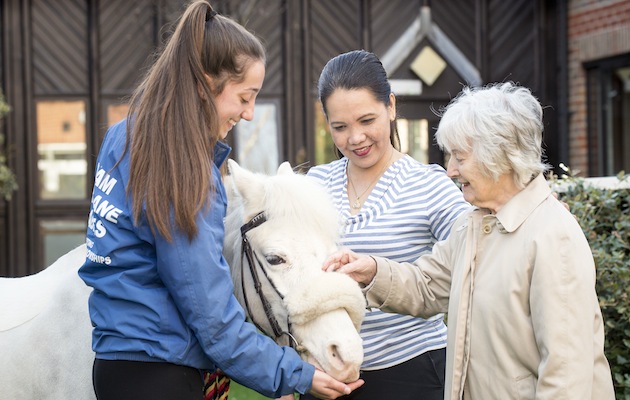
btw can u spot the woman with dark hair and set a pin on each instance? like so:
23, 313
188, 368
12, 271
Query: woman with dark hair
162, 305
392, 205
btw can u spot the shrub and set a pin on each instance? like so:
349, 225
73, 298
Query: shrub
8, 182
604, 215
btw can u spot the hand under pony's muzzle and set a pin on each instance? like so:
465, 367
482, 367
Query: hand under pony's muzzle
332, 305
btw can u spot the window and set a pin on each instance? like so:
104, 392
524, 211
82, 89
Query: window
61, 148
608, 92
414, 138
59, 237
257, 141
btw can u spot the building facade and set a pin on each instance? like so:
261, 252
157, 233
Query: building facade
67, 67
599, 86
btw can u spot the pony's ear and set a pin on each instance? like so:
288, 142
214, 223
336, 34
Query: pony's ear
285, 169
248, 184
228, 179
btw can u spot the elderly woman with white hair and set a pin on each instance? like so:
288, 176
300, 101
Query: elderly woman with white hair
516, 274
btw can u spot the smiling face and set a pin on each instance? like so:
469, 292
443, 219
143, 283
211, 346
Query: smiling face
478, 188
464, 167
360, 125
237, 99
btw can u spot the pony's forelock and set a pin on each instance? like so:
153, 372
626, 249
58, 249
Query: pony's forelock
301, 199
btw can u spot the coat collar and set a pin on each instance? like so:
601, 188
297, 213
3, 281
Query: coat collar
516, 211
221, 153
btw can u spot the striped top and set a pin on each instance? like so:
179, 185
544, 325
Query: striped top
411, 207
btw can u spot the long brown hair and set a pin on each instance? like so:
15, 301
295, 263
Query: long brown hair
172, 124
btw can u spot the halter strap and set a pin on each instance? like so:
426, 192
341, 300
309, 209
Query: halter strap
247, 252
255, 222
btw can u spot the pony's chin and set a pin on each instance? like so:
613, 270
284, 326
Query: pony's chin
351, 377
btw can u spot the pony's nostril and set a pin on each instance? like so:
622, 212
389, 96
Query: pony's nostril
340, 368
335, 354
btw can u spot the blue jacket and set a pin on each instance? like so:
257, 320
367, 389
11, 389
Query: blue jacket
155, 300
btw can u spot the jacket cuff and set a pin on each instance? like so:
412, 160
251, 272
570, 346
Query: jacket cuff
377, 292
306, 378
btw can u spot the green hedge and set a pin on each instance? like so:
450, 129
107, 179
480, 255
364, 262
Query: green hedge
8, 182
604, 215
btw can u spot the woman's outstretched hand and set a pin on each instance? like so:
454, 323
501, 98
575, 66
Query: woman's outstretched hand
359, 267
326, 387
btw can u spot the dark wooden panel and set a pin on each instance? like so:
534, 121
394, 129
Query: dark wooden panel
267, 22
458, 19
335, 28
59, 47
15, 57
3, 54
4, 253
512, 42
389, 19
168, 16
127, 37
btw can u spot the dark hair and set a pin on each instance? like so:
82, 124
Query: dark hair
173, 123
357, 69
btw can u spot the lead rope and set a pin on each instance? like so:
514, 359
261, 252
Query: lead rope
216, 385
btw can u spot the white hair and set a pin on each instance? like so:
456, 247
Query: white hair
501, 125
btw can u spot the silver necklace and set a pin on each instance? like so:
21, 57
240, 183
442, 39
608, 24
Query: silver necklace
357, 201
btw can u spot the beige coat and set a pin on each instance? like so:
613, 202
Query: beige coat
523, 317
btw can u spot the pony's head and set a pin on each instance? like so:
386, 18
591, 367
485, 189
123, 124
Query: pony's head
279, 231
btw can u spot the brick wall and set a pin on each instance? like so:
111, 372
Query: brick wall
596, 29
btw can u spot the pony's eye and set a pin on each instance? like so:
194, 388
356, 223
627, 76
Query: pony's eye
274, 259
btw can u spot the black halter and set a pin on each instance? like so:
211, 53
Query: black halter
246, 251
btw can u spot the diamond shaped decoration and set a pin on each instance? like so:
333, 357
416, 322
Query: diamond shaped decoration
428, 65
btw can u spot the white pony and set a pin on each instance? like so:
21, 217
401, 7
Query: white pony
45, 330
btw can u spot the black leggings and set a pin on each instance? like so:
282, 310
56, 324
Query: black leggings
421, 378
135, 380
